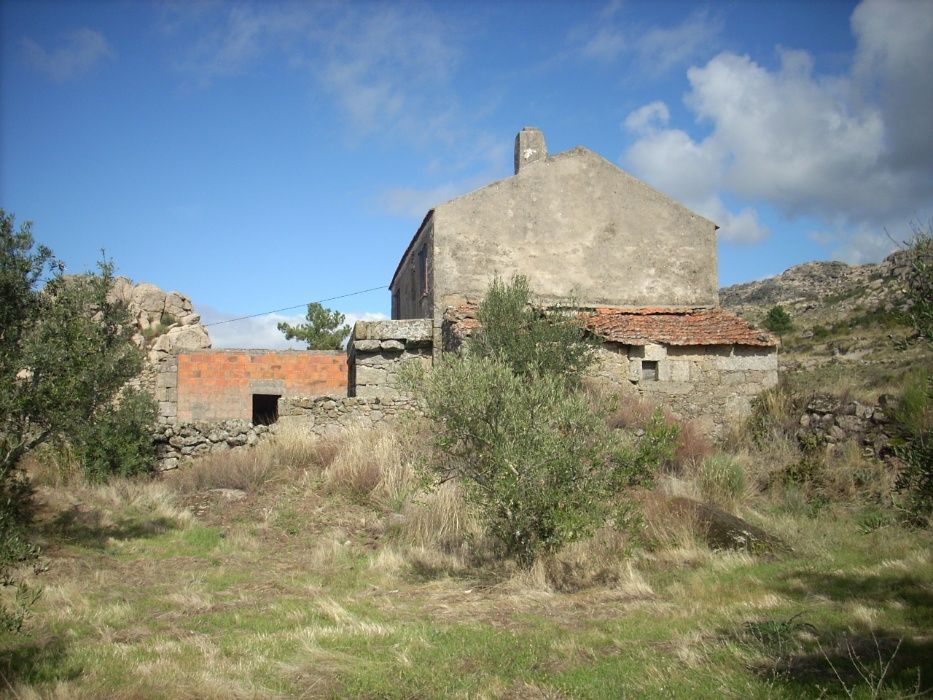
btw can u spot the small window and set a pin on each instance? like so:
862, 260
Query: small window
423, 269
649, 370
265, 409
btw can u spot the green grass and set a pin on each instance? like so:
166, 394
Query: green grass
296, 600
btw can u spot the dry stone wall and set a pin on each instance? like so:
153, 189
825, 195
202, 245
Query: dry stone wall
829, 420
329, 415
176, 443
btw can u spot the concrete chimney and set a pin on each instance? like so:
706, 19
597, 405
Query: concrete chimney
529, 147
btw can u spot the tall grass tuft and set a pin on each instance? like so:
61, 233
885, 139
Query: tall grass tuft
370, 465
721, 480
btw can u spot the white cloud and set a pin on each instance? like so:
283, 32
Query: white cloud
808, 145
84, 49
662, 48
262, 331
646, 119
613, 35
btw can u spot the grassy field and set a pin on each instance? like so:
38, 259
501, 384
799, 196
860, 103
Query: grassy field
307, 569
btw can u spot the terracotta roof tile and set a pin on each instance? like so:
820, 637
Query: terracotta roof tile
648, 324
675, 326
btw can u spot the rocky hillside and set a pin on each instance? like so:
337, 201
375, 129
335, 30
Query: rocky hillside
832, 288
850, 338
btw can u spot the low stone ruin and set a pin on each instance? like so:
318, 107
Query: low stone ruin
829, 420
177, 442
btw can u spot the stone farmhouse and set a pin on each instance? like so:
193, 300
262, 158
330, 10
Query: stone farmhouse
640, 268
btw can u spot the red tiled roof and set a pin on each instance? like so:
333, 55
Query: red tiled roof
647, 324
673, 326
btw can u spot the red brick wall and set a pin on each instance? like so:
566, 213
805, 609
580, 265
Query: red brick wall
216, 385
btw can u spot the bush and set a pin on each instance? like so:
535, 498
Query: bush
532, 454
778, 320
118, 441
920, 282
528, 340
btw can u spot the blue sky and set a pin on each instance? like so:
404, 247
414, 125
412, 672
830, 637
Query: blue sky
254, 156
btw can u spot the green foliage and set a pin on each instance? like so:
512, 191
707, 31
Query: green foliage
118, 442
778, 320
920, 282
324, 329
65, 352
534, 456
913, 421
530, 341
15, 549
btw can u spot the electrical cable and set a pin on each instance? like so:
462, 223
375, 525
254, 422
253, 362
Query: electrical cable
296, 306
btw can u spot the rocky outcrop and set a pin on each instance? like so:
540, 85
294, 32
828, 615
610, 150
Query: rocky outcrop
165, 321
166, 324
811, 285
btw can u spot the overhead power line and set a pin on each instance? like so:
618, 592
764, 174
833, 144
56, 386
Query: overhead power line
296, 306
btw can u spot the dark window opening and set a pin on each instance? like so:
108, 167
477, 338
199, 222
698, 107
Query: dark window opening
649, 370
265, 409
423, 269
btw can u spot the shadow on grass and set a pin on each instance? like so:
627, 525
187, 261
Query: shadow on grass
87, 528
31, 661
850, 657
865, 662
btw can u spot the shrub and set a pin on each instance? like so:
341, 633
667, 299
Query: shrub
118, 441
528, 340
920, 282
778, 320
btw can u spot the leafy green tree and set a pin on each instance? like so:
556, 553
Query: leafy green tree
778, 320
512, 425
65, 353
324, 329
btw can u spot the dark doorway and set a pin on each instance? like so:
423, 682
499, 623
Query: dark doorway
265, 409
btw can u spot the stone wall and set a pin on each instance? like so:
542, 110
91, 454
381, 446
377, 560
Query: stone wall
178, 442
829, 420
378, 350
327, 415
711, 385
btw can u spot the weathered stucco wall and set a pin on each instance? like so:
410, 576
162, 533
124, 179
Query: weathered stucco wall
412, 288
216, 385
579, 228
379, 350
711, 385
